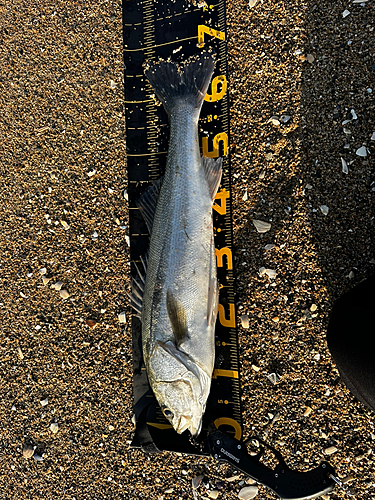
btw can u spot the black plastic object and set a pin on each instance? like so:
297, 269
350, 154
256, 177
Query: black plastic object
178, 30
351, 331
288, 484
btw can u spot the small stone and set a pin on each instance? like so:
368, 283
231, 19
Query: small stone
248, 492
245, 323
65, 225
373, 136
57, 286
317, 357
310, 58
46, 280
112, 84
244, 197
44, 402
213, 494
169, 490
37, 457
255, 368
351, 275
231, 479
269, 156
285, 118
307, 412
91, 172
345, 13
28, 450
324, 209
252, 3
91, 323
313, 307
42, 271
122, 318
330, 450
270, 246
275, 120
111, 428
276, 319
64, 294
54, 428
20, 353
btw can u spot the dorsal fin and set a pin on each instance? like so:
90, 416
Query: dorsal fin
213, 170
177, 317
147, 203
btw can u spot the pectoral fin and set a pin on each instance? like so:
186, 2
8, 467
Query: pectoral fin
177, 317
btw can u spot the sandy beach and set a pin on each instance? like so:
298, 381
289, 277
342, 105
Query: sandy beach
298, 70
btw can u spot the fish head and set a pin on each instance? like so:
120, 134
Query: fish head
180, 386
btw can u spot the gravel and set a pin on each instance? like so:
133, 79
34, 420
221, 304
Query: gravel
64, 260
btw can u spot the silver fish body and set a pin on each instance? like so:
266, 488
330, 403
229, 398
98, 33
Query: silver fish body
180, 296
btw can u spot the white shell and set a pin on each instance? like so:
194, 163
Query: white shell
252, 3
362, 151
310, 58
261, 226
122, 318
330, 450
345, 13
324, 209
344, 166
245, 321
248, 492
64, 294
54, 428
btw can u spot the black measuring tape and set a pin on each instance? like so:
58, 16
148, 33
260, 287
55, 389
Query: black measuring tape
178, 30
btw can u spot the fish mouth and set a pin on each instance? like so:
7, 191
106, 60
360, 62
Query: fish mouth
187, 422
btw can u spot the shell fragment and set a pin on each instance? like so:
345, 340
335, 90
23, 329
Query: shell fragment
261, 226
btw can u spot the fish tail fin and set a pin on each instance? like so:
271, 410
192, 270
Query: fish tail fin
187, 81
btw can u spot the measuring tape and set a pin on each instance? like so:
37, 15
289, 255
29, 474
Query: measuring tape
178, 30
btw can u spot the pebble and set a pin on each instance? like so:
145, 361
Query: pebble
57, 286
307, 412
310, 58
44, 402
275, 120
27, 450
248, 492
65, 225
46, 280
245, 323
213, 494
285, 118
64, 294
43, 271
261, 226
54, 428
274, 378
345, 13
270, 246
252, 3
324, 209
122, 318
313, 307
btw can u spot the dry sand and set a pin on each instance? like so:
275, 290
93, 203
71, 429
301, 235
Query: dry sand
64, 218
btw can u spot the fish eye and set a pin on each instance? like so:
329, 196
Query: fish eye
167, 413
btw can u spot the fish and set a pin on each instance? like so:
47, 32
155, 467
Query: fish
176, 292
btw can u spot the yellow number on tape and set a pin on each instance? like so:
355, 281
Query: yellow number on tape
222, 137
216, 96
202, 29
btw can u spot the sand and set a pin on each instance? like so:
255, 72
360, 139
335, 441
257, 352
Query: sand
64, 226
